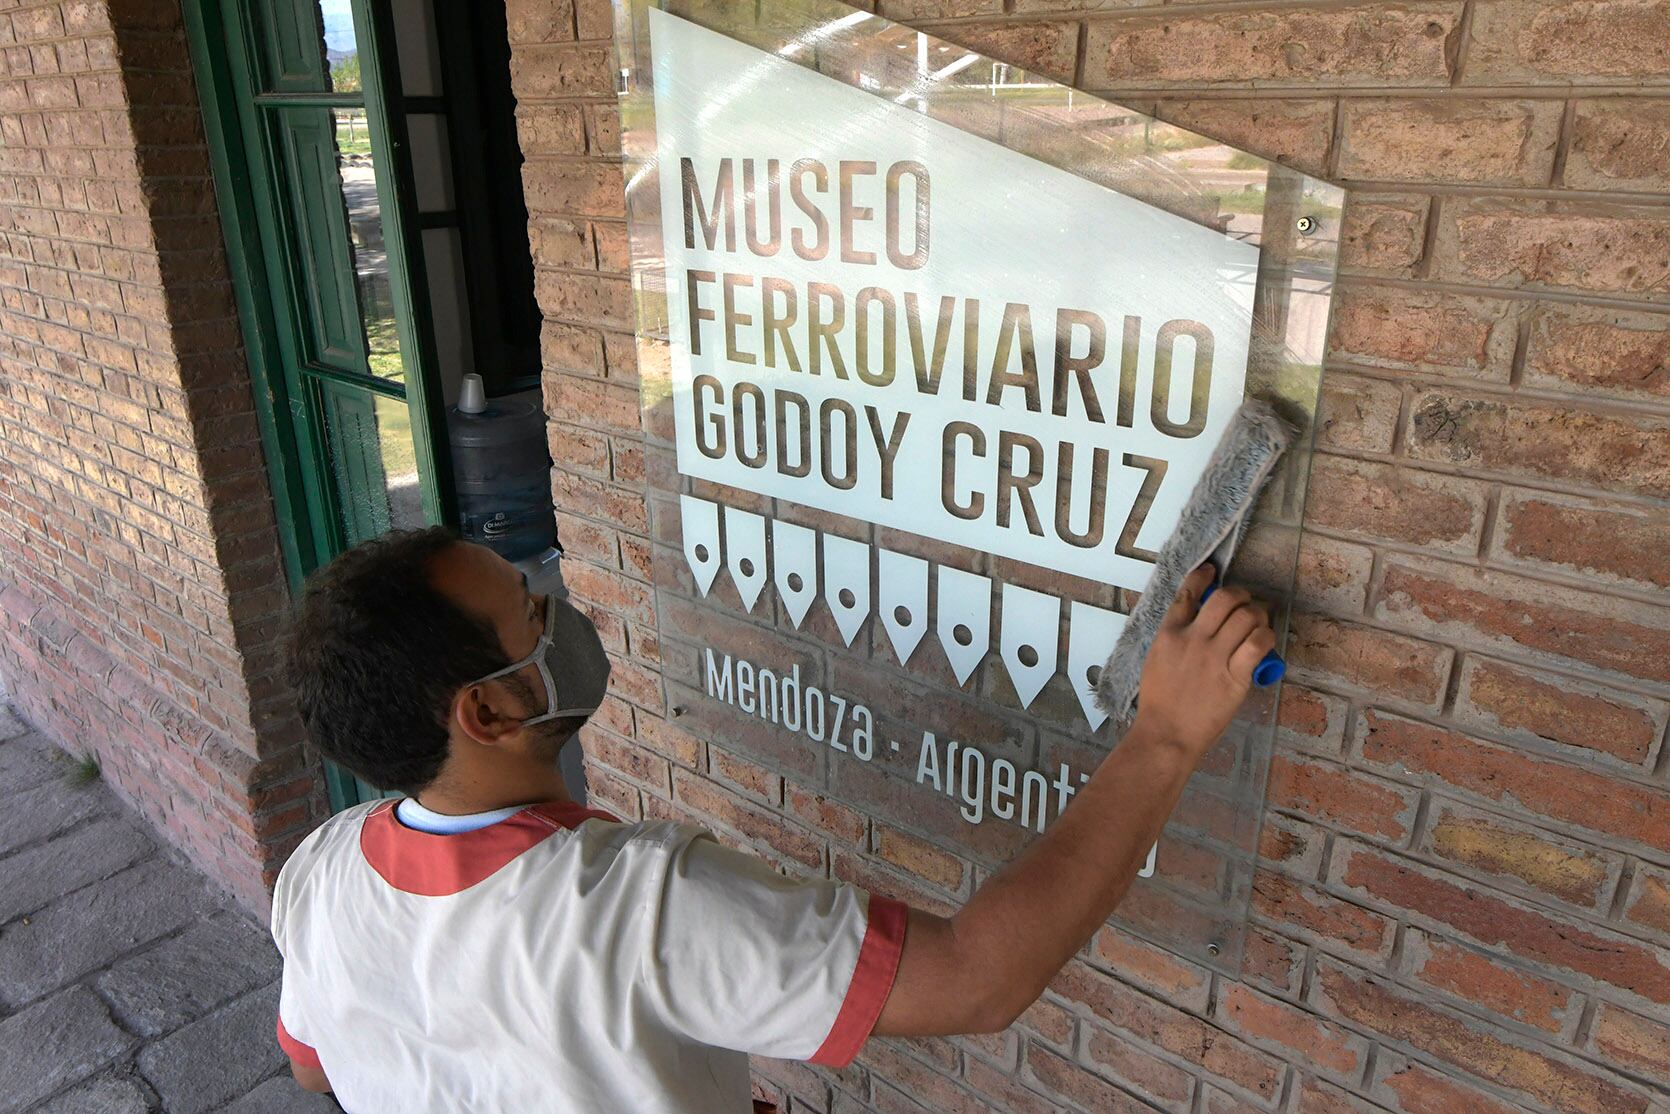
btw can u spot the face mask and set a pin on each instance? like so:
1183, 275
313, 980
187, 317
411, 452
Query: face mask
571, 650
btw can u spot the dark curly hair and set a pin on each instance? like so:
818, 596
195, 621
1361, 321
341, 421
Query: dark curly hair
375, 654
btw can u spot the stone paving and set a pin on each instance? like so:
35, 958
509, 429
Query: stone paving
128, 983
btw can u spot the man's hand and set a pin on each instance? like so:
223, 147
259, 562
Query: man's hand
1029, 919
1201, 664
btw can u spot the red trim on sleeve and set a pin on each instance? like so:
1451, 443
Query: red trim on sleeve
296, 1050
872, 979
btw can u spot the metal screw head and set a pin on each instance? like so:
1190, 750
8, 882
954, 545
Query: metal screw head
678, 710
1307, 225
1212, 948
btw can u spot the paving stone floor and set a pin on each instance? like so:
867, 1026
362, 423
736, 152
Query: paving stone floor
128, 983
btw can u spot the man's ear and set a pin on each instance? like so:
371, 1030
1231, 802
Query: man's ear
485, 714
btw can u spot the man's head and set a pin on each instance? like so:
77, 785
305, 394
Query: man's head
398, 656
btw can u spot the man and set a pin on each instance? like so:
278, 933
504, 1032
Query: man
489, 945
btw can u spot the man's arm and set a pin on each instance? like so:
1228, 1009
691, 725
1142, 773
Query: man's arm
1024, 924
310, 1078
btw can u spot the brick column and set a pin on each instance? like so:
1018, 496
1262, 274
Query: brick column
140, 583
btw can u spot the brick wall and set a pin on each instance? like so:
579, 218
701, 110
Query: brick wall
1465, 898
140, 580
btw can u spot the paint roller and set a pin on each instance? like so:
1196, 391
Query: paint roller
1211, 527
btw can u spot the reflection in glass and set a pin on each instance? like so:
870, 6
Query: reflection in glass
373, 462
365, 236
342, 58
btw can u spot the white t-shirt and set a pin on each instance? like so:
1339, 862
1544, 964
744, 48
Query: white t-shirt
558, 960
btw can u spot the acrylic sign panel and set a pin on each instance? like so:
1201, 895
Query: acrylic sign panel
932, 352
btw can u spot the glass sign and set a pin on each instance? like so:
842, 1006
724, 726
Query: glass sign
932, 351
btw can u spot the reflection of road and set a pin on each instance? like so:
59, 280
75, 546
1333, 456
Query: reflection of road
359, 193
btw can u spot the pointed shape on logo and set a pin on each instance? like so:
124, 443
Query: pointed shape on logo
902, 600
964, 620
794, 567
846, 583
745, 553
1091, 633
699, 523
1031, 632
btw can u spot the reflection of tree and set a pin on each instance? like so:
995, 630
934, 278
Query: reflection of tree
345, 74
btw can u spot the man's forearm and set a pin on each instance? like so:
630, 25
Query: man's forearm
1024, 924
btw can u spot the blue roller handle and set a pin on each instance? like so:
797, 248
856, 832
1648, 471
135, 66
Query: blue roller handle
1270, 668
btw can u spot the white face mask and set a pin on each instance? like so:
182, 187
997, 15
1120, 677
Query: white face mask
569, 649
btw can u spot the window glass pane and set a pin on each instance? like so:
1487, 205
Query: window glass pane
373, 461
417, 47
365, 241
431, 161
335, 224
308, 46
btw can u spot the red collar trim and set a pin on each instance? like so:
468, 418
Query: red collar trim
437, 865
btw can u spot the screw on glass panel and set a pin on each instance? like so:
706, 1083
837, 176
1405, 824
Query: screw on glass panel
622, 77
1307, 225
678, 710
1213, 948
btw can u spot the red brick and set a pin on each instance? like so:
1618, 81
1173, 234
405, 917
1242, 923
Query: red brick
1499, 922
1587, 42
1156, 970
1317, 1043
1366, 659
1332, 575
1341, 798
1632, 1042
924, 1084
1155, 1079
748, 777
1619, 144
1602, 249
1542, 787
1648, 906
1613, 543
1516, 854
1495, 609
1296, 133
1482, 979
758, 825
1388, 503
1383, 233
1003, 1087
920, 858
1045, 49
1417, 1089
538, 21
908, 10
1292, 846
1499, 142
1417, 330
1310, 719
817, 811
1063, 1077
1363, 45
561, 71
1539, 706
577, 186
1172, 1030
1399, 1016
1331, 924
1318, 1096
1600, 351
1357, 414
